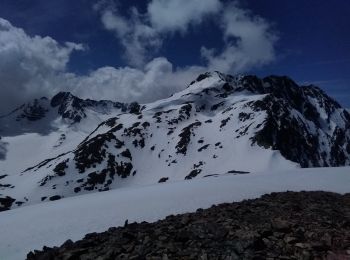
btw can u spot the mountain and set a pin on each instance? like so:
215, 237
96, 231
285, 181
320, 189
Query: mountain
38, 116
219, 124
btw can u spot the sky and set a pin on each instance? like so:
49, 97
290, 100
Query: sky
145, 50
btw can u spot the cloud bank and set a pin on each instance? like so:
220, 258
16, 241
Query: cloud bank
34, 66
29, 66
158, 79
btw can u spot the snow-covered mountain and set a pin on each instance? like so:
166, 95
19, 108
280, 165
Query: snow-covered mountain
218, 125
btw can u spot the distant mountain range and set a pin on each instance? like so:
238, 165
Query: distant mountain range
220, 124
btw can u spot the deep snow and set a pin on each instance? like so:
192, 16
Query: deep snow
51, 223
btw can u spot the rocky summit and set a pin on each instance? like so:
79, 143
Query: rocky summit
219, 124
289, 225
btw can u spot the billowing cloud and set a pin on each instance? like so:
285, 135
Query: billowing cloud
136, 37
177, 15
158, 79
29, 66
249, 42
35, 66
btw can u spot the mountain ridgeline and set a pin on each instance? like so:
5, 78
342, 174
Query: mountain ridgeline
219, 124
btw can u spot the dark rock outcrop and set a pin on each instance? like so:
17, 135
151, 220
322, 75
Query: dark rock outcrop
73, 108
6, 203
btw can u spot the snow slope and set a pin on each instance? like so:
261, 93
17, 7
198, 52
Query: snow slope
51, 223
43, 128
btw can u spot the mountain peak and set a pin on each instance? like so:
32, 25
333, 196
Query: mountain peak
62, 97
69, 106
280, 86
73, 108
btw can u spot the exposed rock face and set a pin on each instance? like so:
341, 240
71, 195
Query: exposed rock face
72, 107
305, 225
298, 122
6, 202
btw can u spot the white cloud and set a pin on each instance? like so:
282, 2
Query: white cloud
158, 79
134, 34
177, 15
29, 66
249, 42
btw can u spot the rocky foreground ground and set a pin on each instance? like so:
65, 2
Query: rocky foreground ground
290, 225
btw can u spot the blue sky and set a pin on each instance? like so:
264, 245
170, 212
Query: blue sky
306, 40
